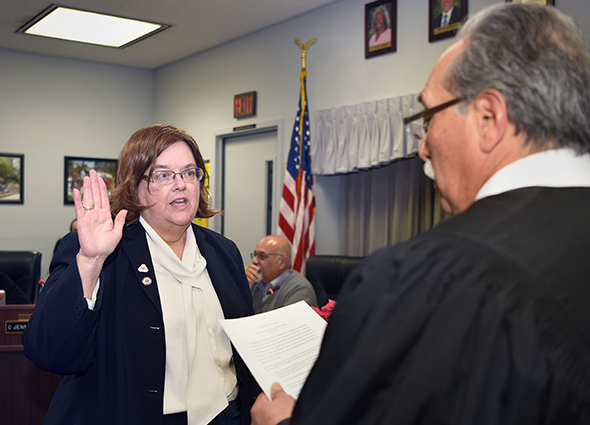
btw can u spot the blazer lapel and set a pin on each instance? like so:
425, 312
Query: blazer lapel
135, 246
213, 264
226, 276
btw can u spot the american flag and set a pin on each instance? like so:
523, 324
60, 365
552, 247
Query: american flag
297, 206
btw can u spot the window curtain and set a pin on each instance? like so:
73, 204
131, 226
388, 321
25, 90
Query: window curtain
386, 198
358, 137
386, 205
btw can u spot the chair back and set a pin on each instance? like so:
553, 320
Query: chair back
24, 268
327, 274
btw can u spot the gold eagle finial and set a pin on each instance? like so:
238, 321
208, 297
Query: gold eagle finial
304, 47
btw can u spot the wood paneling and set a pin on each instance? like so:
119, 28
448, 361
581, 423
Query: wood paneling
25, 390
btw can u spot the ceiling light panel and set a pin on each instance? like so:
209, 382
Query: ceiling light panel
89, 27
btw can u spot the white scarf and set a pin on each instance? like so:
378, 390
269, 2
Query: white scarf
193, 333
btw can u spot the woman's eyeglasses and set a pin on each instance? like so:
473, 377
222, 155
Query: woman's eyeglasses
166, 177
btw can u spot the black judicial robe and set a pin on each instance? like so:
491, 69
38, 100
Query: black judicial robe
483, 320
113, 358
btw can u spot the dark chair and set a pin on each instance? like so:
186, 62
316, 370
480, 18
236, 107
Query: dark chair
24, 268
327, 273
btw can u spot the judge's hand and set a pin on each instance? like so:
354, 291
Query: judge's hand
98, 234
252, 273
266, 412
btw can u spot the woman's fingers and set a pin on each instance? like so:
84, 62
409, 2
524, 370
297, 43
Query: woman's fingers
93, 197
95, 193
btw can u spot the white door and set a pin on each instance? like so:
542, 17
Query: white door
249, 174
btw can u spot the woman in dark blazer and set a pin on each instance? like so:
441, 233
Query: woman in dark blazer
129, 315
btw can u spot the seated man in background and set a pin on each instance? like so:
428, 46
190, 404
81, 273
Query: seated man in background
273, 285
73, 228
484, 319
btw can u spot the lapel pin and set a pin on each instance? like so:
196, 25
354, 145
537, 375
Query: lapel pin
143, 268
146, 281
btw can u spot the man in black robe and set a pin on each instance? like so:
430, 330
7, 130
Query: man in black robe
486, 318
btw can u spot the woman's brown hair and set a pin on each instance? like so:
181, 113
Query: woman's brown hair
138, 158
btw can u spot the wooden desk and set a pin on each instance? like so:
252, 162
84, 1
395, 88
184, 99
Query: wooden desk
25, 390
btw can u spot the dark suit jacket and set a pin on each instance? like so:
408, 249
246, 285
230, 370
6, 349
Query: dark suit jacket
113, 358
455, 17
483, 320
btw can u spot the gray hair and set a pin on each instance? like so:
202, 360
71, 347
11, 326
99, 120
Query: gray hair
536, 57
385, 13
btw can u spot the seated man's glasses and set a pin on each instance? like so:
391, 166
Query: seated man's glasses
166, 177
262, 255
417, 124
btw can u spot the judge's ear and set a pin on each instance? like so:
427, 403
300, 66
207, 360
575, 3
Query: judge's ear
491, 118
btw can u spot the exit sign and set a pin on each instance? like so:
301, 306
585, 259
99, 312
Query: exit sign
245, 105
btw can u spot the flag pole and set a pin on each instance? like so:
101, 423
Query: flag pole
297, 206
304, 48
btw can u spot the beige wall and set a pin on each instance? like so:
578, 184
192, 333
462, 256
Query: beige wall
51, 108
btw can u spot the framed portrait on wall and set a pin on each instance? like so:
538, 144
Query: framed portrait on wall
12, 173
75, 169
445, 18
204, 222
380, 27
539, 2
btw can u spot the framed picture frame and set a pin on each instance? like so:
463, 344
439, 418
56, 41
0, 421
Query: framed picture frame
76, 168
539, 2
445, 18
12, 178
204, 222
380, 27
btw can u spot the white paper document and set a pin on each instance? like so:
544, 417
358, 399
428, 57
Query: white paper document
280, 346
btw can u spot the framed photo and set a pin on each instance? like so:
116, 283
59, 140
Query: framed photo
75, 169
380, 27
445, 18
12, 178
204, 222
539, 2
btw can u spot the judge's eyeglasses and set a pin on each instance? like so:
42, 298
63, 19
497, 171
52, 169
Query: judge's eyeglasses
417, 124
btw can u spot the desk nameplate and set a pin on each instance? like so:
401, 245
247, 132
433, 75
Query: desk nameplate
15, 319
15, 327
